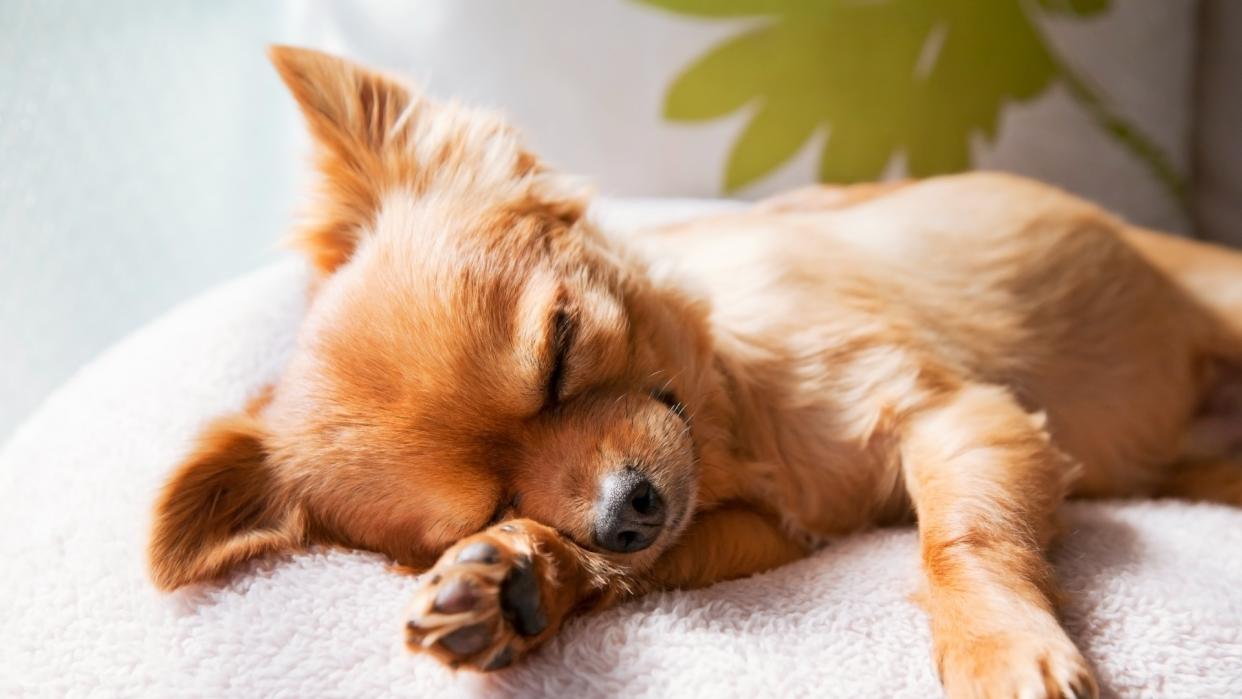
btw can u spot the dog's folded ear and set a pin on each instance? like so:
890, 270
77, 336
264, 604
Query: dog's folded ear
221, 507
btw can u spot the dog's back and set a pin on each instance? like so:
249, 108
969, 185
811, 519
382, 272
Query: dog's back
1116, 333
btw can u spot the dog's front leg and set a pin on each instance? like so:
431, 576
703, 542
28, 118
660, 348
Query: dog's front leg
496, 595
986, 483
726, 543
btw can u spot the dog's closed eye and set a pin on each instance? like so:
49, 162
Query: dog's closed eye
562, 332
505, 509
671, 400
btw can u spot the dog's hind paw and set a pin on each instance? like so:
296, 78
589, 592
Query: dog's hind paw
489, 600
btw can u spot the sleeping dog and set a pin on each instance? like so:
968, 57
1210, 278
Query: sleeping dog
546, 420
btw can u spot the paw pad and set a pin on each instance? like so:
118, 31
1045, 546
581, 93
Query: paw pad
481, 605
455, 597
479, 552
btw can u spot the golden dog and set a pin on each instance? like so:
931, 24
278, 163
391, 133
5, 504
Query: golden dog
564, 420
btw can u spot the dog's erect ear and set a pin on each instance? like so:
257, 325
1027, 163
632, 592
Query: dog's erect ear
376, 135
222, 506
355, 116
348, 108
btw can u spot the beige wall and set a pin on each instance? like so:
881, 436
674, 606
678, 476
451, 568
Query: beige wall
1217, 153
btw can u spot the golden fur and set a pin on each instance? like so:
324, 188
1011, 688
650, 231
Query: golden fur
966, 350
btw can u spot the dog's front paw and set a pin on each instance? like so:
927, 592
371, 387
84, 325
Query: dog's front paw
1020, 665
490, 599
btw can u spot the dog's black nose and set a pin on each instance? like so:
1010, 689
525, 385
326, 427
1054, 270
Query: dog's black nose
629, 512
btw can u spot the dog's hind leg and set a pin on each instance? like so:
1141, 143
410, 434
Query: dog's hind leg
1212, 274
1210, 466
1207, 480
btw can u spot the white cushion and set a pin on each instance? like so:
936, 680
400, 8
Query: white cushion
1155, 599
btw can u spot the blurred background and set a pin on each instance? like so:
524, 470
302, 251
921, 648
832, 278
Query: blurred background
149, 151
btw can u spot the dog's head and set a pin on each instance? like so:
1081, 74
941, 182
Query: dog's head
473, 350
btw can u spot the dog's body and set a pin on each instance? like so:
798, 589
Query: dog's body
485, 378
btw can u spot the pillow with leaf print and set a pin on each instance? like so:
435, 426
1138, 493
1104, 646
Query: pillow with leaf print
748, 97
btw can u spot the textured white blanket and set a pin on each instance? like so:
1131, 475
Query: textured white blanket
1156, 588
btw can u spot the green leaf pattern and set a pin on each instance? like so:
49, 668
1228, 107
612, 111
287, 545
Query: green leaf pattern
918, 77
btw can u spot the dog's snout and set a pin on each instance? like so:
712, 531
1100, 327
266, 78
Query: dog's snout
629, 512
